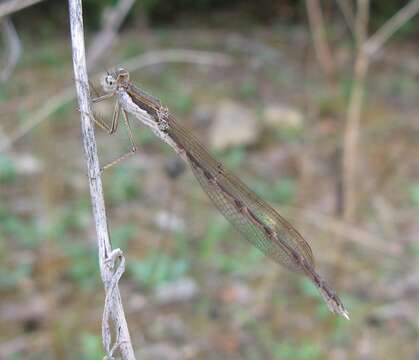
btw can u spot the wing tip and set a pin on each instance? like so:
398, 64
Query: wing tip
345, 314
333, 302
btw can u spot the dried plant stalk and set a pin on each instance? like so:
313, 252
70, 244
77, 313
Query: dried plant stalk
366, 50
107, 257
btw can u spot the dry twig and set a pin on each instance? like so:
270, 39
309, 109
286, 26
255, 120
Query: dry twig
366, 49
10, 6
112, 18
107, 256
348, 13
351, 233
11, 38
377, 41
13, 46
353, 116
321, 46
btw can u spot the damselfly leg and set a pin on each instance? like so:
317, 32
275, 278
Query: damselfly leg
114, 127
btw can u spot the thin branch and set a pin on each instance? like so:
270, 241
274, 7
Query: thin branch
106, 255
348, 13
10, 6
138, 62
13, 46
376, 41
366, 49
50, 106
353, 117
179, 56
355, 234
321, 46
113, 18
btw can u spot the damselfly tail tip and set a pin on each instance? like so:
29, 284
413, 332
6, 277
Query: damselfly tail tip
333, 302
345, 314
338, 309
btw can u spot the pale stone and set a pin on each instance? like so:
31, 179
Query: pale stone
234, 125
278, 115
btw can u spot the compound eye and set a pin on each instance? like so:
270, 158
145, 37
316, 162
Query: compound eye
109, 80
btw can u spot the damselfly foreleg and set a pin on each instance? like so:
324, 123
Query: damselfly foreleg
114, 127
131, 138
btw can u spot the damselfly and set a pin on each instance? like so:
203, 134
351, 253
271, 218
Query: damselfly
256, 220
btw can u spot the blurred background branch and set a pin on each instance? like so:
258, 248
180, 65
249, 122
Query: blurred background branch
353, 117
13, 48
321, 45
376, 41
347, 10
10, 36
365, 50
8, 7
112, 19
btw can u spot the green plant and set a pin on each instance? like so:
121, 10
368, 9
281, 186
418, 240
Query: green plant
83, 266
216, 231
248, 89
24, 232
173, 94
91, 346
7, 169
414, 194
234, 157
281, 191
220, 235
157, 268
301, 351
121, 234
10, 277
128, 186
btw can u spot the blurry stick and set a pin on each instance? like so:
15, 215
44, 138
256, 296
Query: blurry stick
112, 20
10, 6
376, 41
50, 106
13, 46
348, 13
321, 46
107, 256
179, 55
351, 233
327, 63
148, 59
354, 113
11, 38
366, 49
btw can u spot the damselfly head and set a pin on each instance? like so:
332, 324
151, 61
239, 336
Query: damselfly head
109, 83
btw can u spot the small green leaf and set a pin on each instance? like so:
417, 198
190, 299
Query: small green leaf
304, 351
91, 346
7, 169
157, 268
309, 289
414, 194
